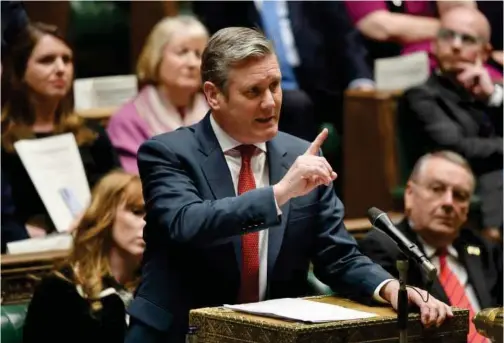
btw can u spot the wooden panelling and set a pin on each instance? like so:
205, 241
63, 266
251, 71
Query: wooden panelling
144, 15
49, 12
369, 151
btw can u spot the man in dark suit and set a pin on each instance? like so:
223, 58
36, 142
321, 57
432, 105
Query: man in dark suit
237, 210
436, 205
459, 108
320, 52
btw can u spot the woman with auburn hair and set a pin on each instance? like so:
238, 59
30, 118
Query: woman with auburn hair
37, 79
169, 71
87, 296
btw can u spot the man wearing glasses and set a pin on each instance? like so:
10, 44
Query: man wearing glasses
459, 108
436, 202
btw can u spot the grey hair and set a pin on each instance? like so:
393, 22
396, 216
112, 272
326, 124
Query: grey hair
228, 48
446, 155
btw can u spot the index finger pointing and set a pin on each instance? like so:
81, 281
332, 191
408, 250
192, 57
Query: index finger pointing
317, 143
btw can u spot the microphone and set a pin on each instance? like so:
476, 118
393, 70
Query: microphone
380, 220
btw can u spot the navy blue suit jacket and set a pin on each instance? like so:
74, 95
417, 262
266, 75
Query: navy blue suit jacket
194, 222
330, 48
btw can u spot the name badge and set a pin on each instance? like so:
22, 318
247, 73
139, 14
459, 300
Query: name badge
472, 250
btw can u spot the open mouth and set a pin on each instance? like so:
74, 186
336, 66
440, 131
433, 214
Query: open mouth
265, 120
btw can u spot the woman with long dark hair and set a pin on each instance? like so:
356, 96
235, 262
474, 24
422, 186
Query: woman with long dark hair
37, 102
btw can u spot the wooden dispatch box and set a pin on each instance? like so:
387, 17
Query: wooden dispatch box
220, 325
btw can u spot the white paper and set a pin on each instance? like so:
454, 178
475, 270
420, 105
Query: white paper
106, 91
54, 164
61, 241
301, 310
402, 72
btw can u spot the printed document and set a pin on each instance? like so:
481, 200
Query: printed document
301, 310
55, 167
402, 72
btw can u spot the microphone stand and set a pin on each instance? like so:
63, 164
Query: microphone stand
402, 265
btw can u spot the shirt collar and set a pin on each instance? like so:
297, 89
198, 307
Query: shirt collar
429, 250
227, 142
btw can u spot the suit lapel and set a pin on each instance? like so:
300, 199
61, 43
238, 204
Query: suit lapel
278, 166
216, 171
474, 267
437, 289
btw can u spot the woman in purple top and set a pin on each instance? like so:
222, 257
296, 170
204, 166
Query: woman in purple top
169, 67
408, 25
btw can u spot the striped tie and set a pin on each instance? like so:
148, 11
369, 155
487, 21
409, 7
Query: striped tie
457, 295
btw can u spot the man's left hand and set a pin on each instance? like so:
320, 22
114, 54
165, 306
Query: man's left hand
433, 312
476, 79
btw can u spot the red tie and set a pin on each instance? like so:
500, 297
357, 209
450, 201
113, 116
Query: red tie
249, 289
457, 295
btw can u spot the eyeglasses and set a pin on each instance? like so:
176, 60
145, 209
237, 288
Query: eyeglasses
448, 35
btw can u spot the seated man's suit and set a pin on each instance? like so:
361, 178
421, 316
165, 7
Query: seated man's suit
440, 115
481, 260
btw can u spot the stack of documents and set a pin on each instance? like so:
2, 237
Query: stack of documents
301, 310
401, 72
62, 241
105, 91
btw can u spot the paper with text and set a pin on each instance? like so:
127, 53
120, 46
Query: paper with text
61, 241
54, 165
105, 91
301, 310
402, 72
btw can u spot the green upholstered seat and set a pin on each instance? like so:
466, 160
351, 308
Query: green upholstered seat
316, 287
13, 317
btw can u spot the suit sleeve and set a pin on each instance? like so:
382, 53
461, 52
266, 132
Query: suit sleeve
444, 132
496, 290
348, 39
12, 229
337, 259
381, 250
175, 206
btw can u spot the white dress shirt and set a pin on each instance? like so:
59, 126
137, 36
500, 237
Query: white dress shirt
452, 260
261, 175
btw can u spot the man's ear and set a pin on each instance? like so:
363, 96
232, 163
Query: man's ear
433, 46
486, 52
212, 94
408, 196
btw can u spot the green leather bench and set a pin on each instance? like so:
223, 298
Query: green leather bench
13, 317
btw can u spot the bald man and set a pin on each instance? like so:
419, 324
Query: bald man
459, 108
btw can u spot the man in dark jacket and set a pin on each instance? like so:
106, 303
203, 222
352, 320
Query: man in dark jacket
460, 108
437, 202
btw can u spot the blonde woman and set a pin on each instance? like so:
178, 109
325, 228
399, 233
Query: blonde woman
169, 70
88, 295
